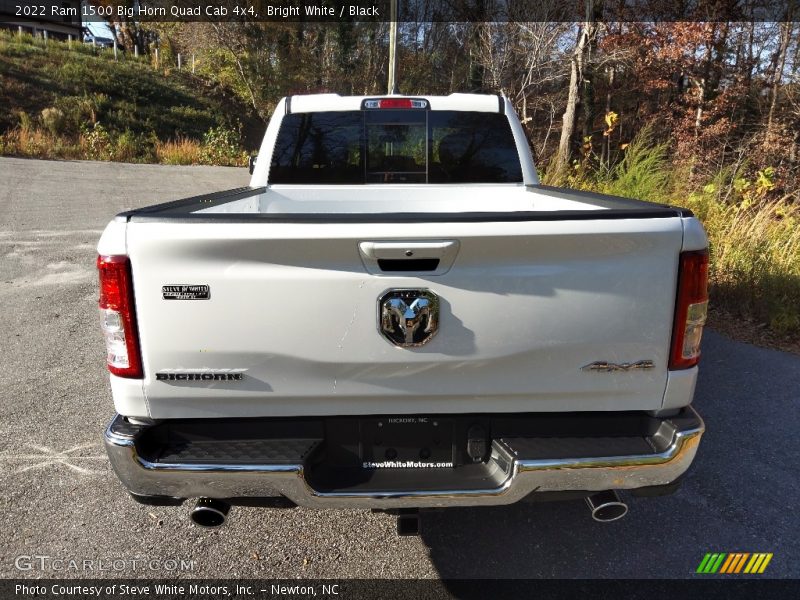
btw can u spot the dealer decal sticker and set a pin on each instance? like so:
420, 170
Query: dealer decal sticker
183, 291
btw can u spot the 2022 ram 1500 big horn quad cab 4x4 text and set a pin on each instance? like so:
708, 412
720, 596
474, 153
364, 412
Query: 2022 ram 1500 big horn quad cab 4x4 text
396, 314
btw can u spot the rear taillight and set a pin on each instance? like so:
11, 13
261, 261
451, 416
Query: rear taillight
691, 309
118, 317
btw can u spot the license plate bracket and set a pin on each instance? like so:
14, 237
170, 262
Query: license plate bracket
407, 440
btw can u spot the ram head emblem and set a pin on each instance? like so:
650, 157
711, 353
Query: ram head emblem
408, 317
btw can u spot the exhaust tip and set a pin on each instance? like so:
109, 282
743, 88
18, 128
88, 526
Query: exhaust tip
606, 506
210, 513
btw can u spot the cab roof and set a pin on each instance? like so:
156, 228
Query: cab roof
494, 103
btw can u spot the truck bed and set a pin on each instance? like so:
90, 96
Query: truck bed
367, 203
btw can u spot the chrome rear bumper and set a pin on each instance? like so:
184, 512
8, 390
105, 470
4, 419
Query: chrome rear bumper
511, 475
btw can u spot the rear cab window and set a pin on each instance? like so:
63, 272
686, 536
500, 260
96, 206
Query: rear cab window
395, 146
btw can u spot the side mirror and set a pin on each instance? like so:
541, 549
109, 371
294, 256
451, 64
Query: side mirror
251, 164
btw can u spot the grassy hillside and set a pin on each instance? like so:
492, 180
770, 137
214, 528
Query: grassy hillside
78, 102
754, 237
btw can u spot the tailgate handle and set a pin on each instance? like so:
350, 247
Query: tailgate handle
408, 264
433, 257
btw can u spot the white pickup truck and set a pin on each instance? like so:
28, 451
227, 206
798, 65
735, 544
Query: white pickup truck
397, 315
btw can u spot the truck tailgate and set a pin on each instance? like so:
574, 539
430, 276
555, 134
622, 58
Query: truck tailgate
293, 309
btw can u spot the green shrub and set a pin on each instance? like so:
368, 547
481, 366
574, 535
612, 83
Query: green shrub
70, 71
189, 120
25, 121
643, 172
128, 147
221, 147
54, 121
97, 142
92, 105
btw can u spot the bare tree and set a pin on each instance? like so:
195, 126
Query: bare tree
786, 29
579, 58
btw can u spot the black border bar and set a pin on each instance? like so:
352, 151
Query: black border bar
418, 11
730, 588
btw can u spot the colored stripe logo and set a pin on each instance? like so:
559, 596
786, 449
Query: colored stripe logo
734, 563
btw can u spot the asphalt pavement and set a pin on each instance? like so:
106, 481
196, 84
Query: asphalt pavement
60, 499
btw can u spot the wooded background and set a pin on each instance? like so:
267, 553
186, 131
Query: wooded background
720, 94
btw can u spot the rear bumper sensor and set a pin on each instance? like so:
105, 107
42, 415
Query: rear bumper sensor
340, 463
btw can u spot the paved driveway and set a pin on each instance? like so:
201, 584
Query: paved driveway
61, 499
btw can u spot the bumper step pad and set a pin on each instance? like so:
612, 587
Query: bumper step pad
237, 452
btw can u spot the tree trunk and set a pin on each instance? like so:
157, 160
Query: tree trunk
777, 76
320, 56
575, 77
594, 12
476, 69
568, 120
605, 158
702, 89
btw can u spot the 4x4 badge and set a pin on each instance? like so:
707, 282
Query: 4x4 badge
608, 367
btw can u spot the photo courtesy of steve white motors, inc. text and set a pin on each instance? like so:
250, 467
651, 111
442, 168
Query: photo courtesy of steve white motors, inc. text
170, 589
